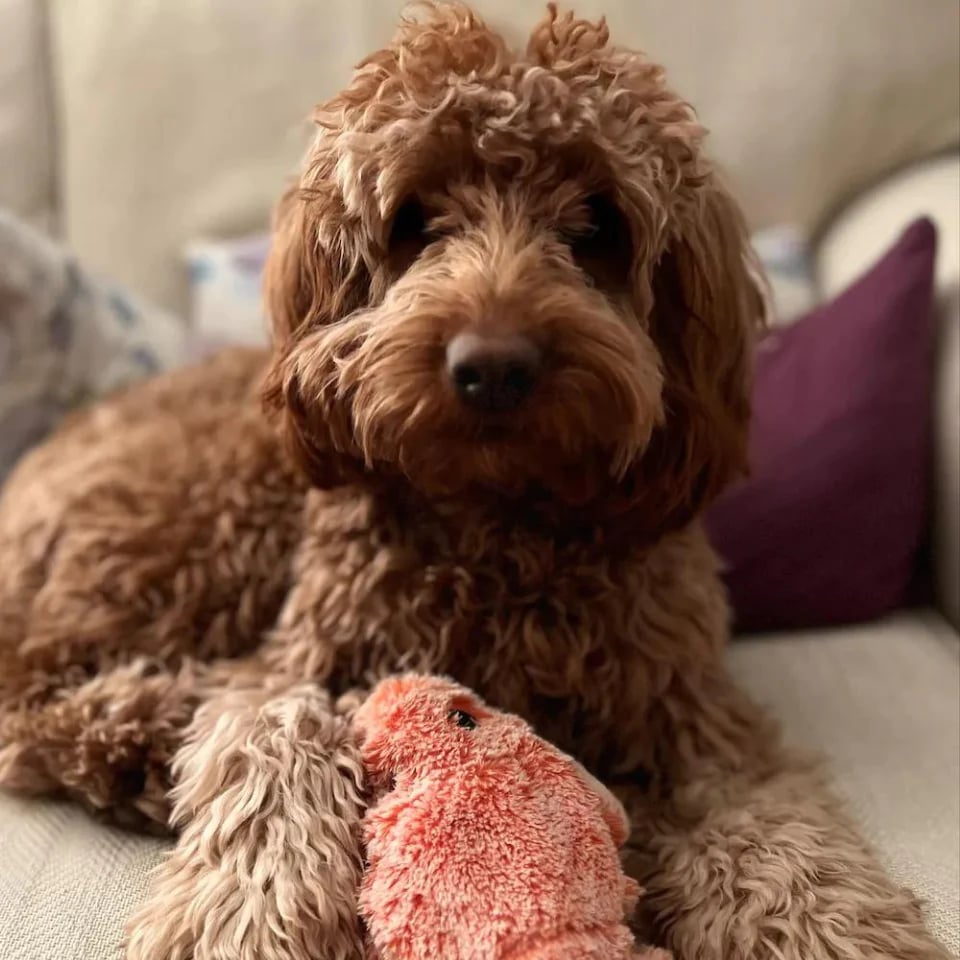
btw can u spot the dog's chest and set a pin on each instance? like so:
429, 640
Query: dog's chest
550, 629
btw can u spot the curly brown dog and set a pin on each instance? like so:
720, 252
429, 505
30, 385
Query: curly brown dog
513, 310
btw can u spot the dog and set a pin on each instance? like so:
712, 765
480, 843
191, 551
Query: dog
513, 309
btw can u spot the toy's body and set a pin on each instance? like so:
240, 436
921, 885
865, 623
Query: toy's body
490, 844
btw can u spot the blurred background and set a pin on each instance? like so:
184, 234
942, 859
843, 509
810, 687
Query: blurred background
135, 128
143, 143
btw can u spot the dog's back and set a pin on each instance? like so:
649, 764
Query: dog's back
160, 523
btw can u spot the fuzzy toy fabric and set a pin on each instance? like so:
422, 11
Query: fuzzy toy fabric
489, 843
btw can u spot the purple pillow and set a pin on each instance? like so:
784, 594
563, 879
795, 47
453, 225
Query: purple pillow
826, 530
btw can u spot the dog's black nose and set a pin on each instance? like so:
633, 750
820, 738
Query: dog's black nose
493, 374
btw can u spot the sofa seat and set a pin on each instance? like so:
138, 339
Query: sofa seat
882, 701
67, 884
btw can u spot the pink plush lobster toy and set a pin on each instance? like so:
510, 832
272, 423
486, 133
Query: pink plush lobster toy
486, 843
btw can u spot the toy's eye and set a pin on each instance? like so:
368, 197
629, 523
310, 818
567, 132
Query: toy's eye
462, 719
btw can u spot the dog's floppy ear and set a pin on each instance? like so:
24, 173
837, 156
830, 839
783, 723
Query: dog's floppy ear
309, 279
708, 296
309, 283
709, 303
294, 277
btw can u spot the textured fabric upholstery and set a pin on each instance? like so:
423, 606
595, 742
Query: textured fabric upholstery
67, 884
883, 702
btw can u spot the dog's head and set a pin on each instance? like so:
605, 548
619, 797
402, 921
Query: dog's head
513, 272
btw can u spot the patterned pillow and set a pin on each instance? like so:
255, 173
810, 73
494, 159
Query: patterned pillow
65, 338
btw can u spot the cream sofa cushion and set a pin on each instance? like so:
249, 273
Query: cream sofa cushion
849, 245
179, 119
67, 884
880, 700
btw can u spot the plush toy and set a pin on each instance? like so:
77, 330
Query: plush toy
486, 843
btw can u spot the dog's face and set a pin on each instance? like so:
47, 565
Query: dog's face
513, 273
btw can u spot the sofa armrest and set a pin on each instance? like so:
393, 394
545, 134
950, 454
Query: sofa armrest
946, 527
848, 246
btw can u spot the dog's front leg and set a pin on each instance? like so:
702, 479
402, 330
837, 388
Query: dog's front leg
749, 855
268, 797
109, 739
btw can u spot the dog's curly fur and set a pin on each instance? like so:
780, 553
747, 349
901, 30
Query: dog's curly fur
172, 576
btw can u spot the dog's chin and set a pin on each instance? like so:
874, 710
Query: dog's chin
565, 449
389, 409
507, 463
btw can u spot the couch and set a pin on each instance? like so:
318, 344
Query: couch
133, 129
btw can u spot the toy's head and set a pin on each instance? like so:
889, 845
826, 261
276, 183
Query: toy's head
420, 724
413, 726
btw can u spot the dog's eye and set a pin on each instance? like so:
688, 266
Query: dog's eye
408, 233
462, 719
603, 247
